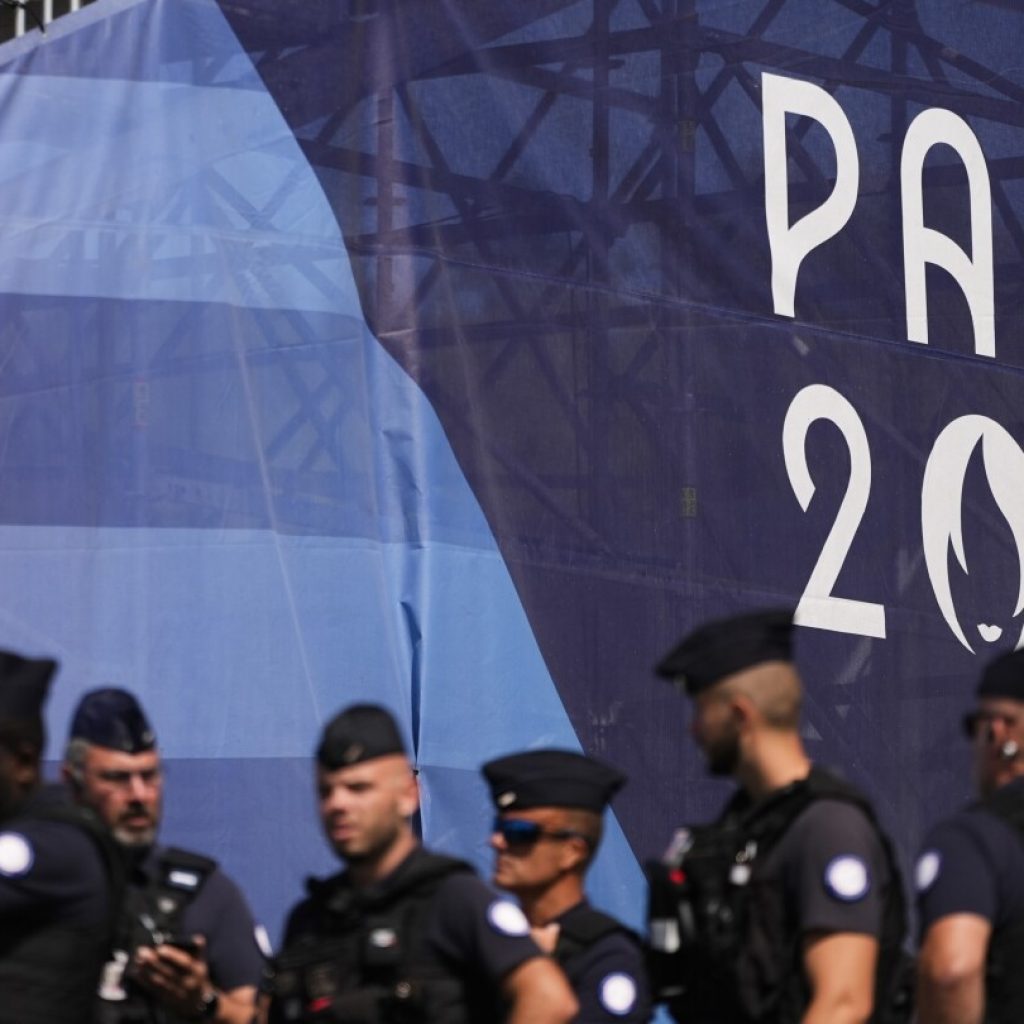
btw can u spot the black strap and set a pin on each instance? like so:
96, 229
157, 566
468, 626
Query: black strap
583, 927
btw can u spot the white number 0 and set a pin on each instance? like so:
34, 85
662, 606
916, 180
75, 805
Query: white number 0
818, 607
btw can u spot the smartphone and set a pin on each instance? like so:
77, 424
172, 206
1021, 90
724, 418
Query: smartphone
183, 942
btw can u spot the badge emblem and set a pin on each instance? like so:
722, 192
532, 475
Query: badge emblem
618, 994
927, 870
847, 878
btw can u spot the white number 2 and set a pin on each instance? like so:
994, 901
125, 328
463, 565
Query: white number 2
818, 607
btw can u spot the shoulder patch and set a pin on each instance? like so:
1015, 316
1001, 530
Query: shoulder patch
617, 993
263, 941
926, 870
16, 854
847, 878
507, 918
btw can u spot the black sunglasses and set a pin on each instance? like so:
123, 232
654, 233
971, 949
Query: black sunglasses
522, 833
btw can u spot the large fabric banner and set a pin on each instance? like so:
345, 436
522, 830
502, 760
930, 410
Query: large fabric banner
461, 356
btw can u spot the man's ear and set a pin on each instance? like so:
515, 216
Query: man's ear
409, 798
575, 852
71, 776
742, 709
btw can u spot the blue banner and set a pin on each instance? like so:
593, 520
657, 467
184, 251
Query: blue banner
463, 356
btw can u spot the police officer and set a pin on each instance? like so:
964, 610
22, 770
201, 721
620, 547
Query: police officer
970, 874
185, 945
402, 934
788, 908
548, 827
58, 870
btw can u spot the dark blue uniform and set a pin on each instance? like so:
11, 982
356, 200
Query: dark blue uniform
608, 975
220, 914
973, 863
55, 912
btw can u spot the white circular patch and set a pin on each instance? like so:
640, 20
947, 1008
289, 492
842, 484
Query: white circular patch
618, 994
927, 870
847, 878
507, 918
15, 854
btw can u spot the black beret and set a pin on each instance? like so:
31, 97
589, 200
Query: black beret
551, 778
720, 648
24, 684
112, 718
1004, 677
359, 733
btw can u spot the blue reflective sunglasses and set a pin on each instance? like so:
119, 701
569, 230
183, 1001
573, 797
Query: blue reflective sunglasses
520, 833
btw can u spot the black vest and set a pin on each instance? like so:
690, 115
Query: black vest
722, 949
581, 928
150, 913
361, 954
49, 969
1004, 969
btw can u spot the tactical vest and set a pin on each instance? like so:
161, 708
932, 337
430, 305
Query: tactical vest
362, 962
149, 915
1004, 979
583, 928
48, 970
722, 949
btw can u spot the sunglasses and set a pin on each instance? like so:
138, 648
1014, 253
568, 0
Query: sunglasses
520, 833
975, 719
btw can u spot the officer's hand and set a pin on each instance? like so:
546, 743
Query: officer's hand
177, 978
546, 936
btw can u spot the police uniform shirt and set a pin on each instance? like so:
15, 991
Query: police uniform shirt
220, 913
483, 935
609, 977
51, 871
972, 863
832, 868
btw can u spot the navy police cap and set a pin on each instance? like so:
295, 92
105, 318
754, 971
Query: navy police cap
359, 733
551, 778
24, 684
1004, 677
719, 648
112, 718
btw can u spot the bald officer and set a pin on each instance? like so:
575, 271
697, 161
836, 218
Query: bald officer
970, 874
550, 806
789, 907
59, 872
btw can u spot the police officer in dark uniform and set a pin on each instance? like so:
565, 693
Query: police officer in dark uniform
403, 934
547, 830
185, 944
59, 875
789, 907
970, 874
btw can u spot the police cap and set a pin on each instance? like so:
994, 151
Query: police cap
1004, 677
24, 684
551, 778
112, 718
719, 648
359, 733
